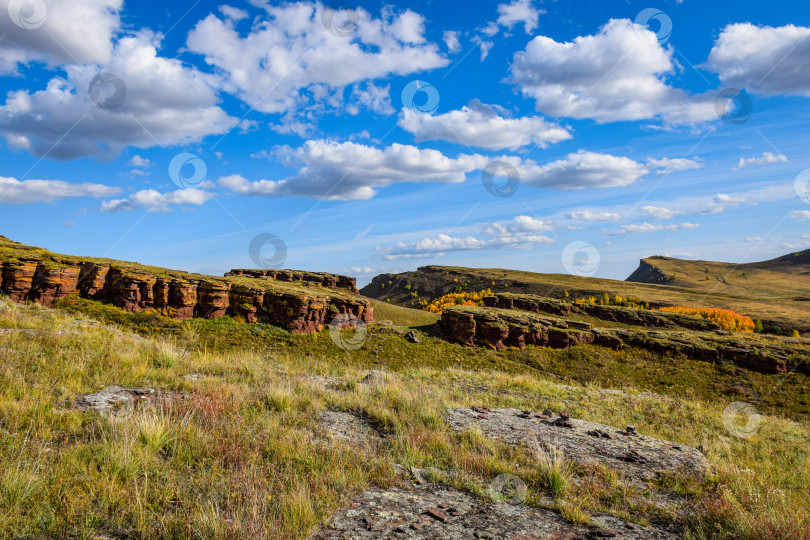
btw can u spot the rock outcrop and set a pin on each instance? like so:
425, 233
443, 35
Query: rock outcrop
439, 511
331, 281
625, 315
624, 450
302, 302
501, 328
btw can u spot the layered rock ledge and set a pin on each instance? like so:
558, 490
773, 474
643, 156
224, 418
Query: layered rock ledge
618, 314
502, 328
302, 302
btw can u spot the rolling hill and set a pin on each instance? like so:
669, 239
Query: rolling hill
786, 277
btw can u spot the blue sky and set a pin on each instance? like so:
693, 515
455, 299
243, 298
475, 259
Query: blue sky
362, 134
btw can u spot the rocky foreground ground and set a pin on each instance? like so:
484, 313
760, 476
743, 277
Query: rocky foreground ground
418, 507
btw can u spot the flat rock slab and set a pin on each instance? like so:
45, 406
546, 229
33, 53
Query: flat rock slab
437, 511
121, 401
349, 428
637, 456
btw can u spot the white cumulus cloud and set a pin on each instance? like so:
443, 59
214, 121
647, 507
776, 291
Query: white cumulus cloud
13, 191
671, 165
616, 74
519, 11
164, 103
763, 59
591, 215
482, 126
767, 158
659, 212
58, 32
582, 170
522, 232
156, 201
352, 171
290, 59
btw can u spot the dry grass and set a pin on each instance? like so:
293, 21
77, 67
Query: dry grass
243, 456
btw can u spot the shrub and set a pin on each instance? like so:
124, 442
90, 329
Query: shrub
457, 299
727, 319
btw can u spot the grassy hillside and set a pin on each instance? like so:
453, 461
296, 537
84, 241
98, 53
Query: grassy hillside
785, 278
787, 312
235, 449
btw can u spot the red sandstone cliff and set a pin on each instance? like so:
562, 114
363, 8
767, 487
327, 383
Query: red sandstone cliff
300, 301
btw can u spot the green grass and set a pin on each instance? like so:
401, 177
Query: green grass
403, 316
241, 456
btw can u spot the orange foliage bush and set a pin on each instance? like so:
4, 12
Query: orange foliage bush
727, 319
457, 299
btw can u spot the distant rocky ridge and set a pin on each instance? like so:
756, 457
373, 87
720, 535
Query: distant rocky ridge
302, 302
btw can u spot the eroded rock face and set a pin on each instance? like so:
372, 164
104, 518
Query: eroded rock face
437, 511
627, 451
501, 328
307, 304
17, 278
331, 281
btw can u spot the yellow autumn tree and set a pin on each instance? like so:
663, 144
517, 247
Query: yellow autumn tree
457, 299
727, 319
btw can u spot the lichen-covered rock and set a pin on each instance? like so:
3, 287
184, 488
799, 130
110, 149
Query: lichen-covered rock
438, 511
17, 277
212, 300
349, 428
116, 400
54, 281
182, 299
629, 452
